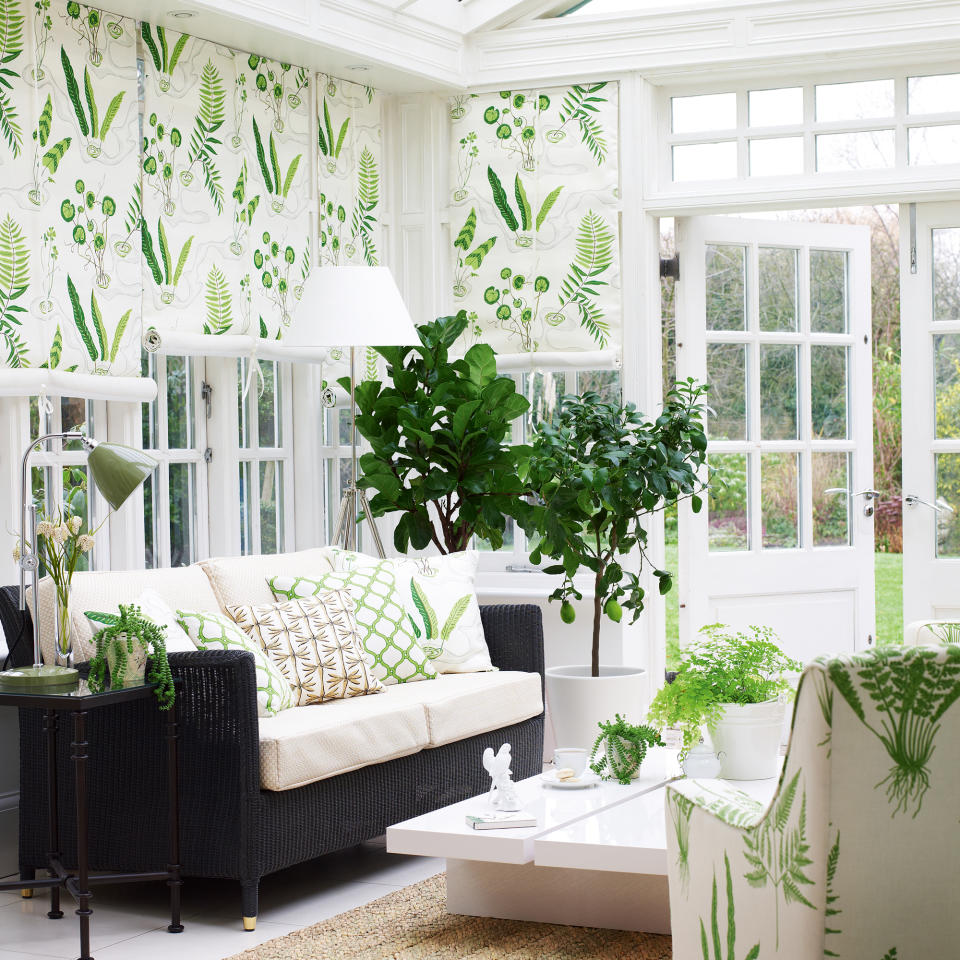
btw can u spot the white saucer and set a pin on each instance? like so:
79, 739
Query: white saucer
586, 779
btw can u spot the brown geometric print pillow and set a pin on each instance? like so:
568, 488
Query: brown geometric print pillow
314, 643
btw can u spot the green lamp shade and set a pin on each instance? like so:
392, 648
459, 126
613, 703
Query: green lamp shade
118, 470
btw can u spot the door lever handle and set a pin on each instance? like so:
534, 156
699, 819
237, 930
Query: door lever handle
868, 495
912, 500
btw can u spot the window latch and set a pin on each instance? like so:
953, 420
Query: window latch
206, 392
208, 455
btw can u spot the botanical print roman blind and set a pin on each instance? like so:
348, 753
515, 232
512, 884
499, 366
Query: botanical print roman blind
534, 180
226, 188
69, 206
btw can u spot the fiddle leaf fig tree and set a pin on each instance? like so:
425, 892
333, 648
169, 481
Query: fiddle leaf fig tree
439, 432
599, 469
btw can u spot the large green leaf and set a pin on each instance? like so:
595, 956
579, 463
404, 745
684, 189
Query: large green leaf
262, 157
475, 257
467, 231
51, 159
547, 205
45, 122
118, 335
98, 326
91, 102
73, 91
501, 201
79, 321
523, 204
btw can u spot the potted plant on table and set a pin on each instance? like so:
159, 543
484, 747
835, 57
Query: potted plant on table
131, 650
599, 471
620, 749
439, 437
733, 684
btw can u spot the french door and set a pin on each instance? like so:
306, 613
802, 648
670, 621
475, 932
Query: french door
930, 346
775, 316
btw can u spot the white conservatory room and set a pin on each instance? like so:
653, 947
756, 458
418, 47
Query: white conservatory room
632, 324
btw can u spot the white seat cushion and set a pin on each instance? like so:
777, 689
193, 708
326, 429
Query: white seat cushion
461, 705
105, 590
306, 744
237, 580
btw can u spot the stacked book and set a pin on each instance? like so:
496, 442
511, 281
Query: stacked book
501, 820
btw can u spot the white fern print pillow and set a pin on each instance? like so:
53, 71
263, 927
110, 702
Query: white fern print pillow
440, 596
214, 631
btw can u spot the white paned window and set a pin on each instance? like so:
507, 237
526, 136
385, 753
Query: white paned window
59, 476
265, 456
174, 431
876, 125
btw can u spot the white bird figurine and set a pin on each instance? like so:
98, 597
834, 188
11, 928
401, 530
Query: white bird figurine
503, 794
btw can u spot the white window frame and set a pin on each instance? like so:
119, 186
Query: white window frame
53, 457
255, 454
167, 456
665, 197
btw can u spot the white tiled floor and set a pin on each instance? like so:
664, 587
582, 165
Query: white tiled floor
129, 921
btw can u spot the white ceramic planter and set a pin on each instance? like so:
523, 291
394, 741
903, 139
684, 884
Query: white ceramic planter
747, 740
578, 702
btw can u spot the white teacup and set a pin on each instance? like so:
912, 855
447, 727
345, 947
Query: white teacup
573, 758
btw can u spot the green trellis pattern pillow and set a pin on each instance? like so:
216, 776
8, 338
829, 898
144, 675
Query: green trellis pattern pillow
381, 618
214, 631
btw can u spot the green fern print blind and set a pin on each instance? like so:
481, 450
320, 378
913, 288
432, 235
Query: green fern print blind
534, 228
226, 187
69, 238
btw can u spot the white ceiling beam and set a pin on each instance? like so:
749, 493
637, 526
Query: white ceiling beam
402, 53
493, 14
715, 42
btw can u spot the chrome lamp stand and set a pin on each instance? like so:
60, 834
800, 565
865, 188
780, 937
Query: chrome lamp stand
345, 534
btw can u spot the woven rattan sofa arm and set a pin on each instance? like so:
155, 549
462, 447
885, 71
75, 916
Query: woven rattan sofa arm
217, 707
514, 635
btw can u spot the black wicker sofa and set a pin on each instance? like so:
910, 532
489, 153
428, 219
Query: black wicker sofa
230, 827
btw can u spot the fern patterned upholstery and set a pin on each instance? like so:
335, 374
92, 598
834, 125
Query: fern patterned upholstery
857, 854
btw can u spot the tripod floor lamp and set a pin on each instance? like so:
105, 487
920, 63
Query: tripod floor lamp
116, 471
352, 306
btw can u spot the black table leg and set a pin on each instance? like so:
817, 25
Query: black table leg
50, 724
173, 812
83, 894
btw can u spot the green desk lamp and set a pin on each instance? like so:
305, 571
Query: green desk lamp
116, 471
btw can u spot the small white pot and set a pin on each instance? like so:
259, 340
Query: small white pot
578, 702
747, 740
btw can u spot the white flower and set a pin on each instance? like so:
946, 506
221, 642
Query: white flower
16, 553
45, 528
85, 542
75, 523
60, 533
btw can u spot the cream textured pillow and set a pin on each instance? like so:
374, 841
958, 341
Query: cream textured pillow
216, 631
314, 643
440, 595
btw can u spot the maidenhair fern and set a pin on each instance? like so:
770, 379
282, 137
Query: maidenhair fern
14, 280
368, 196
11, 46
595, 248
219, 303
209, 119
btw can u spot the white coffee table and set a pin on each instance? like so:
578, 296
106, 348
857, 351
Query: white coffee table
596, 858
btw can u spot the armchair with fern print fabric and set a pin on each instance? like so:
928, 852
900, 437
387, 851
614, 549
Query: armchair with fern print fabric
858, 854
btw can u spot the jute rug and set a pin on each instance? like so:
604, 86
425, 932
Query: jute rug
412, 924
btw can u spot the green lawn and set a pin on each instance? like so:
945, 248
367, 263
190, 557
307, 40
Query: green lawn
889, 591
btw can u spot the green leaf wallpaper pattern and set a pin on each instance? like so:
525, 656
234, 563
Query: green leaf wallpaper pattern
226, 188
534, 182
70, 294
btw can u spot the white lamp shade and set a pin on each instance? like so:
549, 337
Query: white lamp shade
351, 306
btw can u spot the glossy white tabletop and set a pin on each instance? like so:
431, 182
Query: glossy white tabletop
444, 832
629, 838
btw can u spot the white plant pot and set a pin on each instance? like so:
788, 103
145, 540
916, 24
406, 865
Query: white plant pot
578, 702
747, 740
